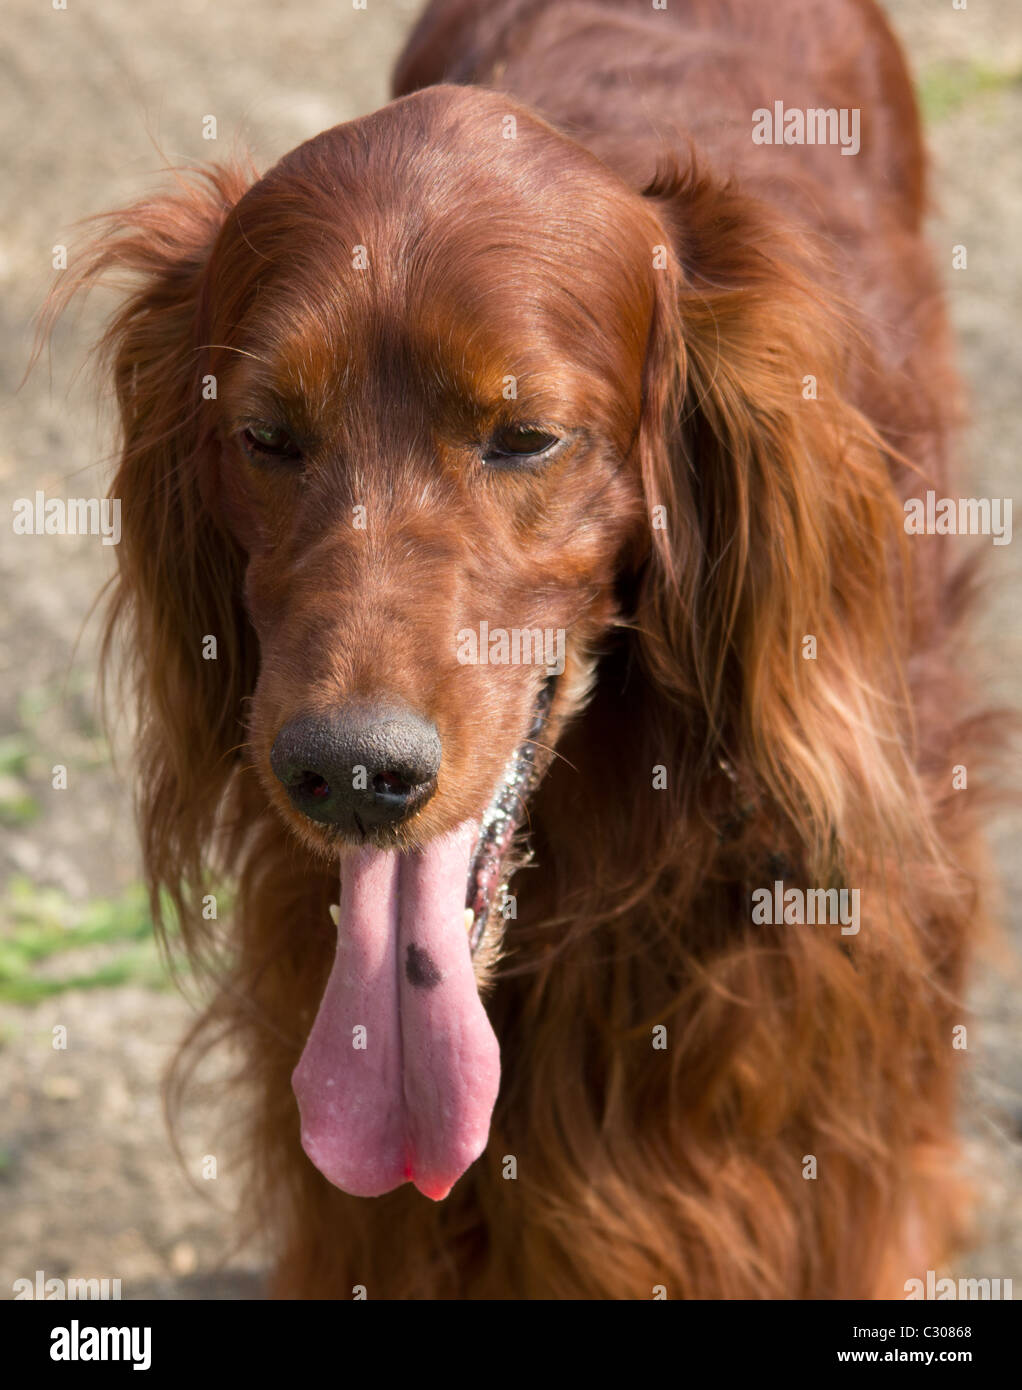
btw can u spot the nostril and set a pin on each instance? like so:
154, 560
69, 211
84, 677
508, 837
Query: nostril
391, 784
312, 785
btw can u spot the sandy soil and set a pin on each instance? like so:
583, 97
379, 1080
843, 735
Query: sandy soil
88, 1182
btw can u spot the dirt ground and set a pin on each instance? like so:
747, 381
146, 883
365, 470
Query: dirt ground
89, 1185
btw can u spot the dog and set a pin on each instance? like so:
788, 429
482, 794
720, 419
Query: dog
524, 622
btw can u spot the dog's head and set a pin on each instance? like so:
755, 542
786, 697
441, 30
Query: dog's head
428, 331
412, 423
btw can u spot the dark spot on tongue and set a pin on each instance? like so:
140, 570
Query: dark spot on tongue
420, 968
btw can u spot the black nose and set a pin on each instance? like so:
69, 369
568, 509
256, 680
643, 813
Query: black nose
364, 765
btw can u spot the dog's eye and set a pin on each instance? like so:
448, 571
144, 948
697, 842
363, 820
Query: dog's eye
269, 441
511, 444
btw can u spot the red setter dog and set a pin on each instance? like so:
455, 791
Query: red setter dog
535, 451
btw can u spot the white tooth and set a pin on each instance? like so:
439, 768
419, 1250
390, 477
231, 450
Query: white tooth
470, 918
335, 914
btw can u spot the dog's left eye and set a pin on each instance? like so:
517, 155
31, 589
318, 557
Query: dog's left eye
269, 441
513, 444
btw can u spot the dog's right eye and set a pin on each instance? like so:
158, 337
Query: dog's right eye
518, 444
269, 442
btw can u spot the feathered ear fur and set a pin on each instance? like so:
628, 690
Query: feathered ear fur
179, 573
770, 601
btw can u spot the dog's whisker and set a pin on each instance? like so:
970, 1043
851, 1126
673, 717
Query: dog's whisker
227, 347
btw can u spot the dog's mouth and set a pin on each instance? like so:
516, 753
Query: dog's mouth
492, 862
400, 1073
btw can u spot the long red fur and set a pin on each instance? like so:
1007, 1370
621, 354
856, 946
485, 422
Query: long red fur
637, 1168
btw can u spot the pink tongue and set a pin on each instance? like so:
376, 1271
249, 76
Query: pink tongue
400, 1073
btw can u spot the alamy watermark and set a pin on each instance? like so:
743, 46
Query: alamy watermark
959, 516
816, 125
68, 516
81, 1342
58, 1289
807, 906
933, 1287
515, 646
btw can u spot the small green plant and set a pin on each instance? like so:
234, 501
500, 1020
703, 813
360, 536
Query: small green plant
48, 944
946, 87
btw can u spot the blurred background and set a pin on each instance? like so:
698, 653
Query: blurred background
89, 96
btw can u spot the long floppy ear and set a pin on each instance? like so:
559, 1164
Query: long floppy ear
769, 603
179, 573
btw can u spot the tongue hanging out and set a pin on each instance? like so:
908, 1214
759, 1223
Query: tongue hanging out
400, 1073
